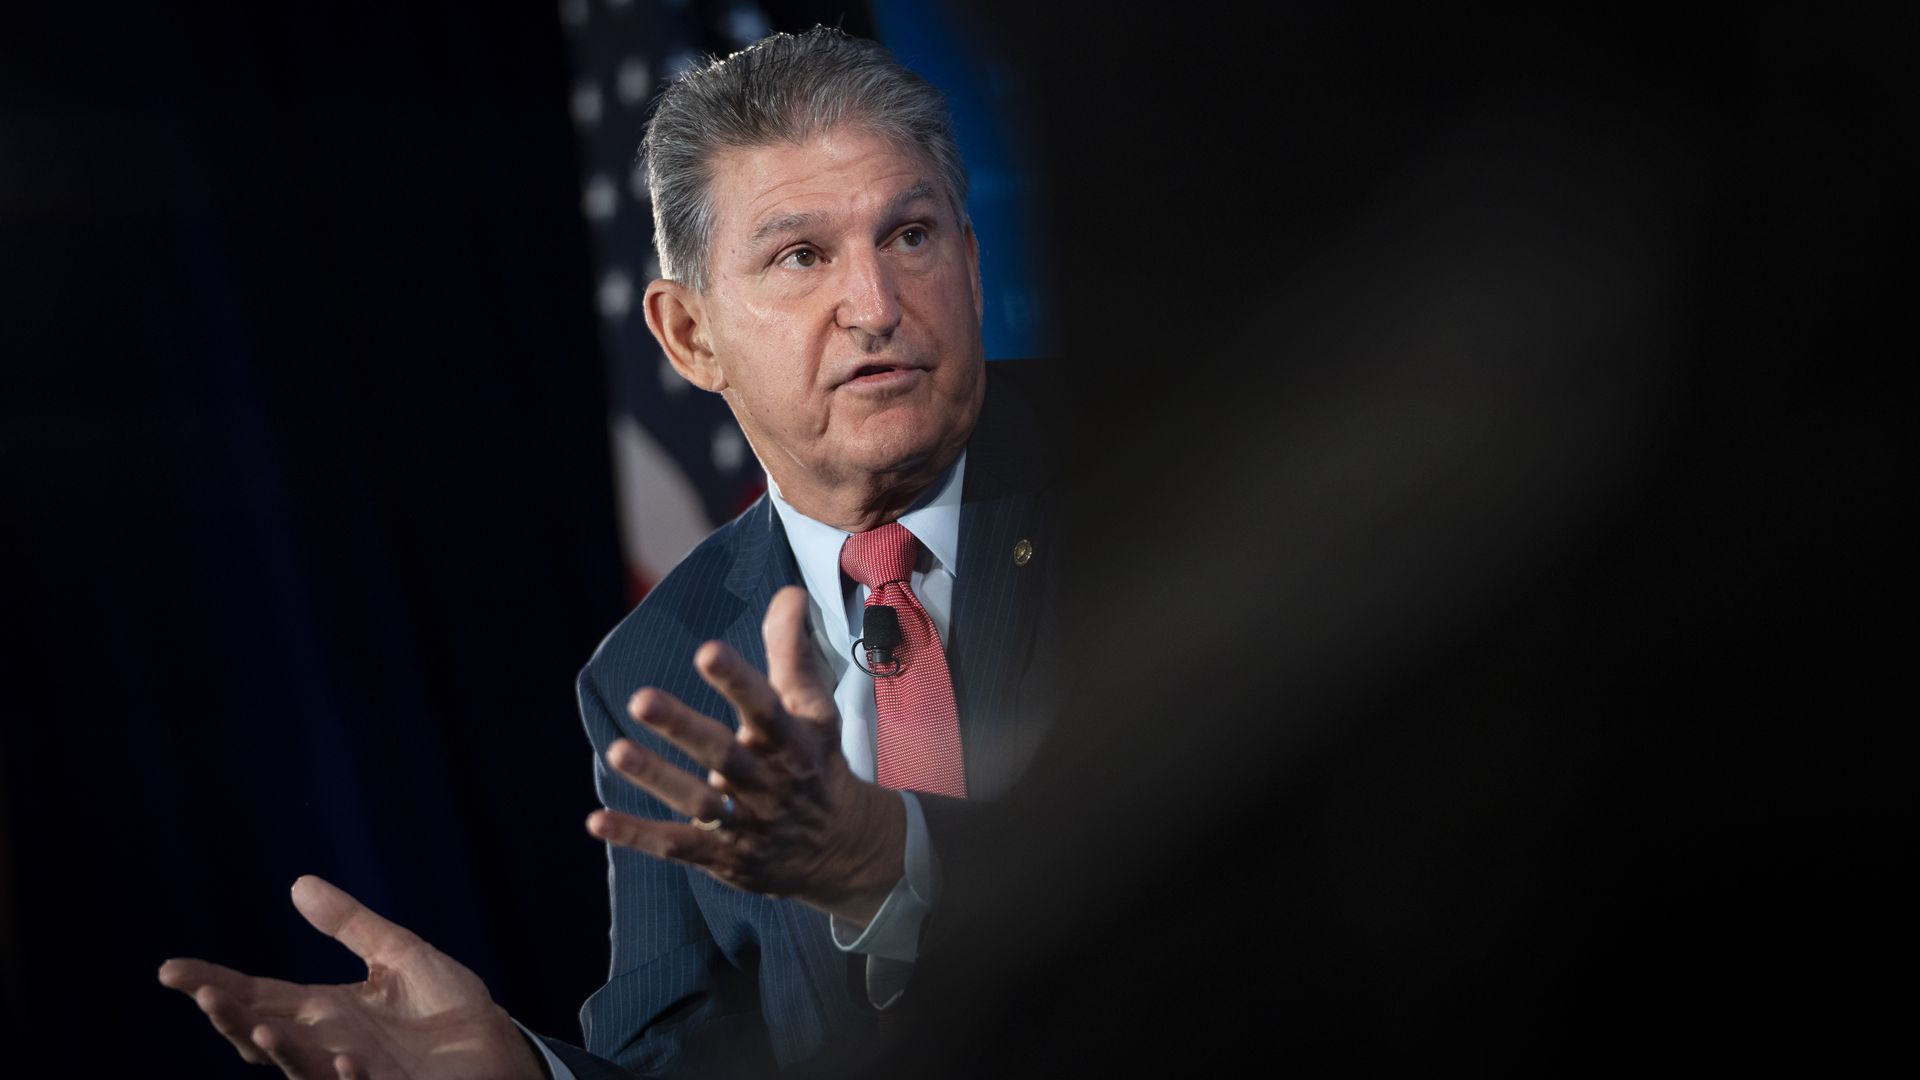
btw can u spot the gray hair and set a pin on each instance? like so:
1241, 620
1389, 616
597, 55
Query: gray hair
784, 88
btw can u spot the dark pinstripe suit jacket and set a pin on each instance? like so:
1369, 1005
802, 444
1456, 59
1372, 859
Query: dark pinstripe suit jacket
706, 979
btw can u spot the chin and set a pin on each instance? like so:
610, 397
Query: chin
901, 451
910, 435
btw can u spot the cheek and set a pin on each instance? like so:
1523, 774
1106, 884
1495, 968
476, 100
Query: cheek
950, 321
769, 350
773, 370
951, 291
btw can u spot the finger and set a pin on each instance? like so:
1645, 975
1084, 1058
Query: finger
762, 720
351, 923
710, 742
660, 839
346, 1068
231, 1021
271, 997
793, 664
296, 1057
676, 787
187, 975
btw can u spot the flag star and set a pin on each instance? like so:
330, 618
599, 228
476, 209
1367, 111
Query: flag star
616, 294
586, 104
600, 199
634, 81
729, 448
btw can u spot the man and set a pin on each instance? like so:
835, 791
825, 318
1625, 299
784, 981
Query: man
770, 891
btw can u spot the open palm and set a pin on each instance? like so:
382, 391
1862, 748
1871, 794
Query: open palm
419, 1014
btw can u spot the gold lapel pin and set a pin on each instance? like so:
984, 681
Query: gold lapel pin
1022, 552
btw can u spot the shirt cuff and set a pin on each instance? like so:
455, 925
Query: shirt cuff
555, 1067
894, 933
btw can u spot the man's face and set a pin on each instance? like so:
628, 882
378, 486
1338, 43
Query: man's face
842, 314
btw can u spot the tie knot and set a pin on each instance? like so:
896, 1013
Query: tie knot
880, 555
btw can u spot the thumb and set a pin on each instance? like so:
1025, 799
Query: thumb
793, 664
351, 923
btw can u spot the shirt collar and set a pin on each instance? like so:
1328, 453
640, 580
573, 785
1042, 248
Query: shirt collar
934, 520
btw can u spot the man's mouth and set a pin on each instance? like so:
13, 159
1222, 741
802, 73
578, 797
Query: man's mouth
879, 375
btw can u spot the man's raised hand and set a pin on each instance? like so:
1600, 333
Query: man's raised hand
420, 1014
793, 819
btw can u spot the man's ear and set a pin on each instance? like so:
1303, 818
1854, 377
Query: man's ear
677, 316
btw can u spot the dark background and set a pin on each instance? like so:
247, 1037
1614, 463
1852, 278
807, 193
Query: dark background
1490, 426
1493, 650
307, 495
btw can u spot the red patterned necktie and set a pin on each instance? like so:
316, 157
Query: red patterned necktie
919, 729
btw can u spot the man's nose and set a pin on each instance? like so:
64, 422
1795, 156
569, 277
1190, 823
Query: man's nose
869, 300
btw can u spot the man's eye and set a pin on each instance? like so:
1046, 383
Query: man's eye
802, 258
913, 238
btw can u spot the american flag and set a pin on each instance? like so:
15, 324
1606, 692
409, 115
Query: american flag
681, 465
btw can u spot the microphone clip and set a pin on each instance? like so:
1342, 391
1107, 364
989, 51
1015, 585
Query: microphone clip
881, 663
880, 635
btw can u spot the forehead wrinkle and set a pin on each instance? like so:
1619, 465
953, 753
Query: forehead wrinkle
781, 223
801, 220
921, 190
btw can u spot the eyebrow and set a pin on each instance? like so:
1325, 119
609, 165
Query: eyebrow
796, 222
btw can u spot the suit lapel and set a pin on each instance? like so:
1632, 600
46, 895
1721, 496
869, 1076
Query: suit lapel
1000, 602
763, 565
